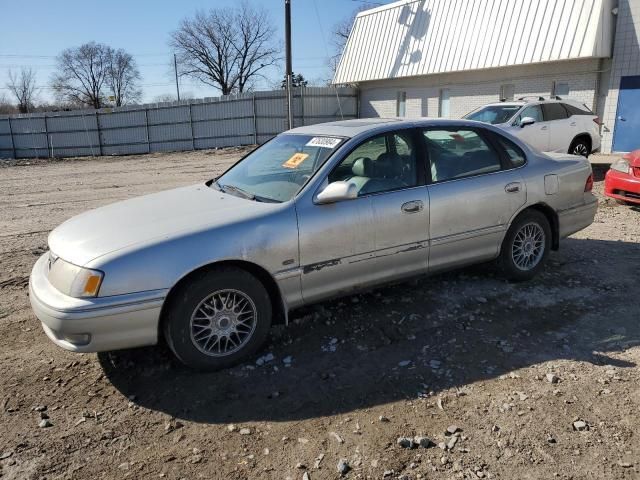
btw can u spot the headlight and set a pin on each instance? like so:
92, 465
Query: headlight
620, 165
73, 280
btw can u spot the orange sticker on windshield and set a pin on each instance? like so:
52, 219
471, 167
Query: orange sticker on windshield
295, 160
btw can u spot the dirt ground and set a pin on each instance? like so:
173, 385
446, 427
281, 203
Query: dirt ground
509, 367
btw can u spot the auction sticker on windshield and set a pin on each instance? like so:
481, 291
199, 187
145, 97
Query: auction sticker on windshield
323, 142
295, 160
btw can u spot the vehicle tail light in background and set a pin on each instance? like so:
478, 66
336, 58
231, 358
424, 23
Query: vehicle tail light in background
597, 121
588, 186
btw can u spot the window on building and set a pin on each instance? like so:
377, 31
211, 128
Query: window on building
443, 110
560, 89
507, 92
401, 104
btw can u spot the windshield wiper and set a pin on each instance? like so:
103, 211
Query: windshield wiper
237, 190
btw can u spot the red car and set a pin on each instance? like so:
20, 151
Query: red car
622, 181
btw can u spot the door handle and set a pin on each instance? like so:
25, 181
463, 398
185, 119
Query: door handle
544, 128
622, 119
412, 207
512, 187
573, 124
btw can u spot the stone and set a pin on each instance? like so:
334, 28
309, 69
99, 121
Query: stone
343, 466
452, 429
231, 428
452, 442
245, 431
404, 363
423, 442
405, 442
552, 378
383, 419
306, 476
45, 423
580, 425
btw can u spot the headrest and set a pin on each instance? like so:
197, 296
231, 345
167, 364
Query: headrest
389, 165
362, 167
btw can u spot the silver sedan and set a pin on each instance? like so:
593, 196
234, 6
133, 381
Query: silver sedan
317, 212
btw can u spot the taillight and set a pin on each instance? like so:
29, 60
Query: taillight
588, 186
597, 121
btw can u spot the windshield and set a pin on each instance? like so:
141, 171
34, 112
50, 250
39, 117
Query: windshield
494, 114
276, 171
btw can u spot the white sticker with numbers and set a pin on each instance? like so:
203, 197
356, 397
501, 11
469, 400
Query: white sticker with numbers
323, 142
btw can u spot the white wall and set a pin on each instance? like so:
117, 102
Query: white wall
626, 61
470, 90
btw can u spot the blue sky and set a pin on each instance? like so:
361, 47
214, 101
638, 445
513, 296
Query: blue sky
35, 31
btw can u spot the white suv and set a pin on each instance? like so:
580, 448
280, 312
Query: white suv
549, 125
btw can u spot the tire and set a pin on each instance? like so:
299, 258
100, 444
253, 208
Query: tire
529, 225
208, 315
580, 146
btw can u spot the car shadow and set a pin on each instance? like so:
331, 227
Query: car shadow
429, 336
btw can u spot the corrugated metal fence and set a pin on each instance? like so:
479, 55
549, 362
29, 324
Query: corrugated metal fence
244, 119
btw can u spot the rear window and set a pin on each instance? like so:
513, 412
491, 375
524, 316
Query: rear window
575, 110
554, 111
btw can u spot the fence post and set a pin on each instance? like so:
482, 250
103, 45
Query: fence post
302, 104
193, 140
99, 134
46, 134
146, 124
13, 144
255, 120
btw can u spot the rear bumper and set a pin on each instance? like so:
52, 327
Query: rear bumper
622, 186
95, 324
574, 219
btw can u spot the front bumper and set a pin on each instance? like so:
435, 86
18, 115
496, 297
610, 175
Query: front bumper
94, 324
622, 186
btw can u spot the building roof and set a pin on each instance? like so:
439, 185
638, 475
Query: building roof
423, 37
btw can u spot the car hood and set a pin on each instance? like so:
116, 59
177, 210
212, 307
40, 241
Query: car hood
147, 219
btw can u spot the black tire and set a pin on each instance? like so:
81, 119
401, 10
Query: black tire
506, 260
216, 283
580, 146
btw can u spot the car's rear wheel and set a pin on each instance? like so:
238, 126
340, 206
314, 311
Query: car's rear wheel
525, 246
580, 146
218, 318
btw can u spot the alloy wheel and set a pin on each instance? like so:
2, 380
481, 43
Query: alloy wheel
528, 246
223, 322
580, 149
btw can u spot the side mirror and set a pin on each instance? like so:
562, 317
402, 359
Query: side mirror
337, 191
526, 121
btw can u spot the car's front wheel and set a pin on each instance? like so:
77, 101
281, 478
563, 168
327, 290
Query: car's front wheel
217, 318
525, 246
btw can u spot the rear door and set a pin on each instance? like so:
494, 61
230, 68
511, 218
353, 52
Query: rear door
627, 126
474, 192
561, 128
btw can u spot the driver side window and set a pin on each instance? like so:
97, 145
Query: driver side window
534, 111
383, 163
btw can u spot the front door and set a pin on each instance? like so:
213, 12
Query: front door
379, 236
537, 134
473, 196
627, 126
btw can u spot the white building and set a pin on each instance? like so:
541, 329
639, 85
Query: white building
447, 57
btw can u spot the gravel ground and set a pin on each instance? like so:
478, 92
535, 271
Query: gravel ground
497, 380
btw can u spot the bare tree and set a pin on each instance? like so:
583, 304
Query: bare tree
341, 32
123, 78
5, 105
23, 88
227, 48
82, 74
91, 73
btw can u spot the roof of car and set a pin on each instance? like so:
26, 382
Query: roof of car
352, 128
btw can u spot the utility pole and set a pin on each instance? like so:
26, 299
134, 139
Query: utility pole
289, 73
175, 68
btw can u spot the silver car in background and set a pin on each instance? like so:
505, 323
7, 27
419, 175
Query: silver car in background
548, 125
317, 212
